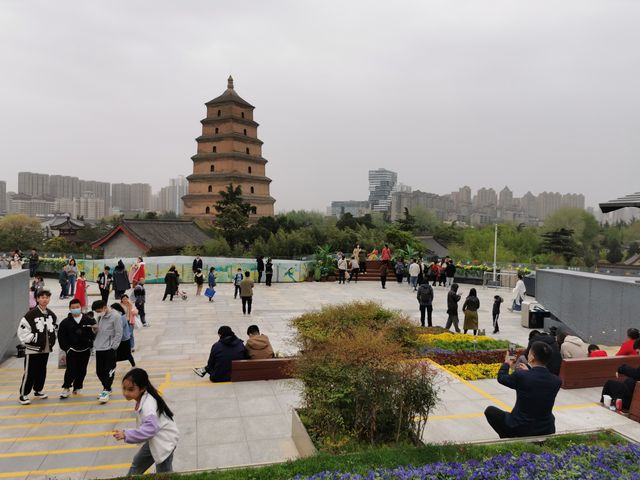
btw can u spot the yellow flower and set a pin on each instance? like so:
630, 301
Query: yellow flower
475, 371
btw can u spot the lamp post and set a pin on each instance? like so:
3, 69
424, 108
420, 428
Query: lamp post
495, 253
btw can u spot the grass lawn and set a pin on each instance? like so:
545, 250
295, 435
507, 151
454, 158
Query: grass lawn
389, 457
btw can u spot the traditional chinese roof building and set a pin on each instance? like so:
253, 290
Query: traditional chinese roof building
229, 152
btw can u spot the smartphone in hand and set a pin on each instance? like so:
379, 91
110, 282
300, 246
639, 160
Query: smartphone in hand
512, 351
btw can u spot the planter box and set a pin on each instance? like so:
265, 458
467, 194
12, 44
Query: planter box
300, 436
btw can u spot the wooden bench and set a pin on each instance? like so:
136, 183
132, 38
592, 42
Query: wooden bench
267, 369
634, 409
593, 372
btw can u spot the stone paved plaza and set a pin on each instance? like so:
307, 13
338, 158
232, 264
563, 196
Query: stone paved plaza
246, 423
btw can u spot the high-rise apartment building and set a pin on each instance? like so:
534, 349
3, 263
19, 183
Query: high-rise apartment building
90, 207
141, 198
548, 202
3, 197
505, 202
573, 200
170, 197
33, 184
63, 186
32, 206
101, 190
486, 197
381, 185
356, 208
121, 196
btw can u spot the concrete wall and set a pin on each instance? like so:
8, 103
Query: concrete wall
121, 246
599, 308
14, 299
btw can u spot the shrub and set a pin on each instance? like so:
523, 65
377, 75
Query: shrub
358, 383
475, 371
461, 342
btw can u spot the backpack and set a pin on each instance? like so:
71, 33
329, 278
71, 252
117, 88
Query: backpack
424, 295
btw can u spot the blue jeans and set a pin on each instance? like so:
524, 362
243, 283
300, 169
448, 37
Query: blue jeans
72, 285
413, 281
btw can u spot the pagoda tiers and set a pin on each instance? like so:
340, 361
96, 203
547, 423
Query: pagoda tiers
229, 152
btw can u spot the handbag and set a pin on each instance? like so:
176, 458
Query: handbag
209, 292
137, 322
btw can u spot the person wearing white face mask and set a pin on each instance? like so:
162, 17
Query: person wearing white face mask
75, 336
108, 336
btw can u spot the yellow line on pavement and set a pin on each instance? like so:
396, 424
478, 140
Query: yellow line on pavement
60, 471
62, 424
167, 379
201, 383
55, 437
476, 389
64, 414
62, 403
64, 452
461, 416
577, 406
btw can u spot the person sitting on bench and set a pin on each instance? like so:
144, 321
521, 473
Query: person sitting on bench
536, 389
627, 348
623, 389
258, 346
594, 351
223, 352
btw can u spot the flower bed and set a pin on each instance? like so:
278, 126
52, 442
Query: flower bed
468, 356
577, 462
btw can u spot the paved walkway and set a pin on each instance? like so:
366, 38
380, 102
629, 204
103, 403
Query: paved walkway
245, 423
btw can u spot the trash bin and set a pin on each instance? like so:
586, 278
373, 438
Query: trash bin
537, 314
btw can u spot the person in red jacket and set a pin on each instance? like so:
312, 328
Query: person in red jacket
594, 351
627, 347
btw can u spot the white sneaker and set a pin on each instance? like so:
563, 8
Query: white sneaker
199, 371
40, 395
24, 400
65, 393
104, 397
77, 392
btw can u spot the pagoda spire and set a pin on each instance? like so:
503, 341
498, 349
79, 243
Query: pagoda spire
230, 83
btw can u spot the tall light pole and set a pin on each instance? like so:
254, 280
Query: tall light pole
495, 253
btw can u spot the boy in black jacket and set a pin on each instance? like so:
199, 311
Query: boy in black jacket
37, 332
75, 336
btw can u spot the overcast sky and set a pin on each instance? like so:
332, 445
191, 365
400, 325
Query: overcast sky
538, 95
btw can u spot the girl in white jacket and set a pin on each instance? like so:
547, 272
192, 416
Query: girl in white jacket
154, 425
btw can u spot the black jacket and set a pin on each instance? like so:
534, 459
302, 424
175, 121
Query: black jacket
536, 391
471, 303
452, 302
120, 278
197, 264
450, 270
260, 263
556, 358
35, 327
269, 267
223, 352
171, 282
76, 336
425, 294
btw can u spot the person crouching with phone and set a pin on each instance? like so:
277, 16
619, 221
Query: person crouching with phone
536, 389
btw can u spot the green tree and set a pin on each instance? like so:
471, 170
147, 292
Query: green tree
634, 247
560, 242
407, 222
21, 232
347, 221
232, 196
233, 213
614, 255
57, 245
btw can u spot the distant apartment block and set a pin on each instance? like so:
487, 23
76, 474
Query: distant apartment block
381, 184
356, 208
170, 197
33, 184
3, 197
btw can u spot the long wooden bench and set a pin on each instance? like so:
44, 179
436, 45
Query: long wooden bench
592, 372
267, 369
634, 409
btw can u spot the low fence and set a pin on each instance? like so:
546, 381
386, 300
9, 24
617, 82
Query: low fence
284, 271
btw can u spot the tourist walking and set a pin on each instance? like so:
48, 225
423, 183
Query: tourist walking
362, 261
236, 282
75, 337
16, 262
495, 312
536, 389
137, 272
211, 282
452, 308
63, 280
155, 427
355, 270
260, 266
108, 331
198, 278
519, 292
72, 275
131, 313
342, 269
170, 283
37, 331
246, 293
197, 264
34, 262
470, 308
384, 270
414, 271
434, 272
124, 349
81, 291
442, 278
269, 272
425, 301
450, 272
139, 301
105, 279
399, 269
120, 280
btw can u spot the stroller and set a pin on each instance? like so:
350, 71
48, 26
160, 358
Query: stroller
182, 294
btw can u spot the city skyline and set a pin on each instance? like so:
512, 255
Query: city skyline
536, 96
